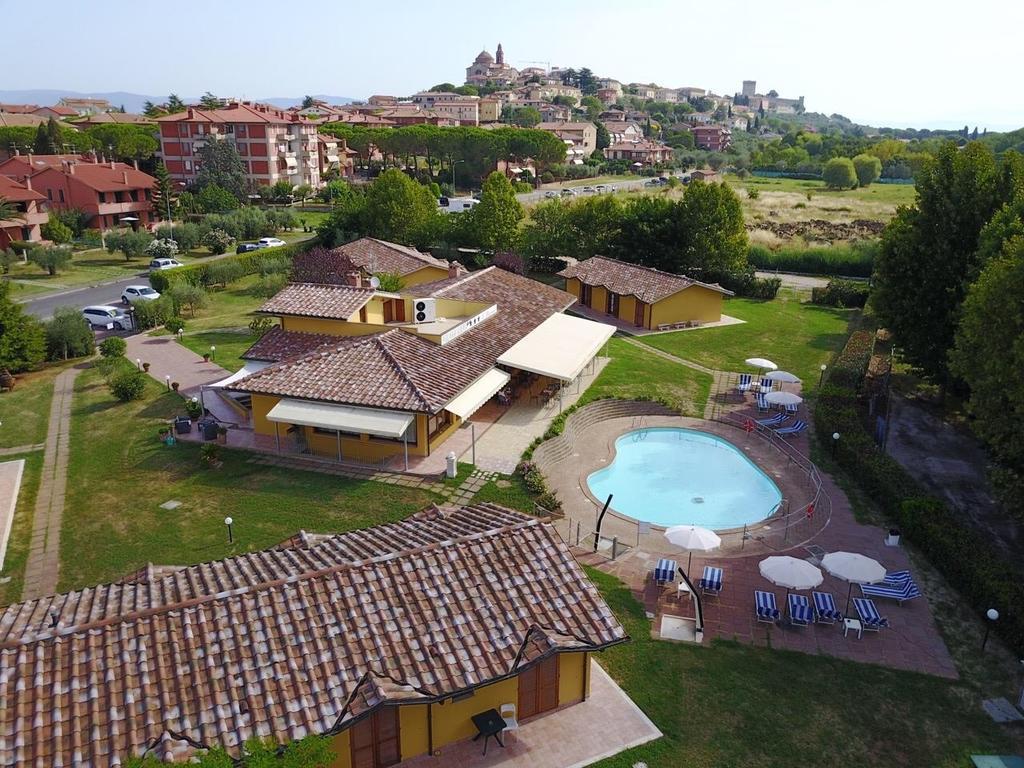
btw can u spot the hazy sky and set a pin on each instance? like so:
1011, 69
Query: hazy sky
898, 62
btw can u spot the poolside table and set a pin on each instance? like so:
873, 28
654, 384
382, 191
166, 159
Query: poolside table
489, 723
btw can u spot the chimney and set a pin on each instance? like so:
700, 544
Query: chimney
124, 177
355, 279
454, 269
28, 182
191, 113
71, 168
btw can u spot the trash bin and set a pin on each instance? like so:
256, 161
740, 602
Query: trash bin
183, 425
893, 539
451, 469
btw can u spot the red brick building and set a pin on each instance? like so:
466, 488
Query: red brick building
715, 138
108, 192
274, 145
30, 205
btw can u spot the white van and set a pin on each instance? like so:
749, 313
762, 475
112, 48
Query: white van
457, 204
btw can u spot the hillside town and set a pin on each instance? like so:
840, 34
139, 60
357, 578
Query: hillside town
532, 419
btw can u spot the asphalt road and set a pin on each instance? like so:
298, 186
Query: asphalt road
106, 293
609, 185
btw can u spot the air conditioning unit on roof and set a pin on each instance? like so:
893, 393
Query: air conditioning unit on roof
424, 310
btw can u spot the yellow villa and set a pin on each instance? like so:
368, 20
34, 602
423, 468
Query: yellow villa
643, 297
373, 257
356, 373
387, 641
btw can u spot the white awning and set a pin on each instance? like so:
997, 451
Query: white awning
251, 366
469, 400
346, 418
560, 347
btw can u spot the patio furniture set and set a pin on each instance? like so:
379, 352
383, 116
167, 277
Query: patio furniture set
492, 723
766, 397
677, 326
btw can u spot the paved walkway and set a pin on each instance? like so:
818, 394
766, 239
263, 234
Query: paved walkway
42, 569
19, 449
10, 484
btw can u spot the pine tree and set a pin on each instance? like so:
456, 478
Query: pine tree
164, 199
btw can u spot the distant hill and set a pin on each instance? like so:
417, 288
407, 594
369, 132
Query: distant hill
133, 102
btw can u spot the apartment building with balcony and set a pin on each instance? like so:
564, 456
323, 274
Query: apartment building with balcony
30, 206
335, 155
274, 145
111, 193
716, 138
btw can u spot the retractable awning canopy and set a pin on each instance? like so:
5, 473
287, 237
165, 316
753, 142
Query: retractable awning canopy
346, 418
469, 400
560, 347
250, 367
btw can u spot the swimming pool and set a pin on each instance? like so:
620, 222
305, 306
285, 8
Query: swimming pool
671, 476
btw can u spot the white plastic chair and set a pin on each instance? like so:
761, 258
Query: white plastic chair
508, 714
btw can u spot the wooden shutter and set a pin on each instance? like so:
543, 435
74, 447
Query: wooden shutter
375, 740
547, 693
638, 314
527, 694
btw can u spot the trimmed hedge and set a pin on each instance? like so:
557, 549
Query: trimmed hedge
976, 569
199, 274
855, 259
841, 293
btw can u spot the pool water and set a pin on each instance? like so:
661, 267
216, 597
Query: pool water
670, 476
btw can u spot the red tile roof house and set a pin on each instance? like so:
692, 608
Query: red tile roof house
20, 166
385, 640
111, 193
645, 152
361, 375
30, 204
275, 145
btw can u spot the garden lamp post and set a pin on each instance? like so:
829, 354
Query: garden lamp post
835, 444
231, 536
992, 615
213, 352
167, 382
821, 378
181, 332
138, 363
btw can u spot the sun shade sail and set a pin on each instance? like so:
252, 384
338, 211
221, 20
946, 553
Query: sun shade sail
560, 347
476, 394
346, 418
250, 367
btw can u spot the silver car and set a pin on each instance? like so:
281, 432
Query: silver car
106, 316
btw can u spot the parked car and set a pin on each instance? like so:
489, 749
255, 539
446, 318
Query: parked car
551, 193
588, 190
601, 189
246, 247
106, 316
157, 264
269, 242
568, 193
652, 183
134, 293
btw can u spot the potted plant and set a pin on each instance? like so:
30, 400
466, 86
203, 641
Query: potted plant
209, 454
145, 367
175, 385
206, 357
163, 433
193, 408
222, 435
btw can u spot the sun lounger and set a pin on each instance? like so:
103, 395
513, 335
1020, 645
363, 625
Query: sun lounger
764, 605
792, 409
766, 385
710, 582
870, 619
899, 591
762, 404
800, 612
798, 426
772, 423
744, 385
825, 610
665, 571
897, 577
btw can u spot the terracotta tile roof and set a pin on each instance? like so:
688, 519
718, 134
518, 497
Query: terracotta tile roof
337, 302
111, 177
60, 109
18, 109
400, 370
646, 283
19, 120
117, 118
278, 344
375, 256
640, 146
17, 192
25, 165
295, 640
236, 113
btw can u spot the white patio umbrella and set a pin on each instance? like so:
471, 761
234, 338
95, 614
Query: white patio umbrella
783, 377
760, 362
783, 398
693, 538
854, 568
791, 573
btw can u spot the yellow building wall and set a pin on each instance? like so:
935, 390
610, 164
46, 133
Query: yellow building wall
452, 719
342, 748
332, 327
413, 726
598, 297
572, 285
572, 677
693, 303
425, 275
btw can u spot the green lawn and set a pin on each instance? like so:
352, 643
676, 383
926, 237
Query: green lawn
120, 473
25, 411
889, 194
734, 705
796, 335
21, 529
636, 374
230, 344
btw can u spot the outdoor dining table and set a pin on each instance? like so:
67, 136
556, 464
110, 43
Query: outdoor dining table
489, 723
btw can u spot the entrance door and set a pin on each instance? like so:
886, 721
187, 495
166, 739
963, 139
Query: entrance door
538, 689
613, 304
585, 294
375, 740
638, 314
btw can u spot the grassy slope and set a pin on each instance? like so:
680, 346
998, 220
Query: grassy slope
734, 705
25, 411
119, 474
21, 529
794, 334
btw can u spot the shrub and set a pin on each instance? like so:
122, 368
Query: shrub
57, 231
196, 273
162, 248
547, 177
74, 219
258, 326
841, 293
223, 272
746, 284
209, 453
132, 244
218, 241
174, 324
274, 265
187, 295
113, 347
214, 199
50, 258
187, 235
150, 314
68, 335
91, 238
753, 193
839, 173
128, 384
855, 259
269, 285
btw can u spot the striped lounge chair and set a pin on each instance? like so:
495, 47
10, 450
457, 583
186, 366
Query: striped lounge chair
871, 620
900, 589
665, 572
710, 582
762, 404
796, 428
792, 409
746, 381
766, 385
825, 611
800, 612
774, 422
764, 605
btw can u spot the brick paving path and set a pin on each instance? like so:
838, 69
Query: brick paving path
42, 569
18, 449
